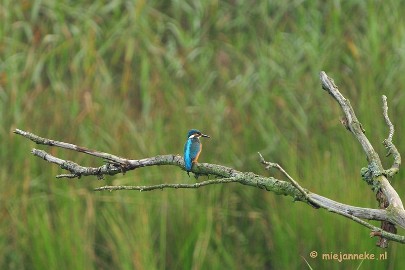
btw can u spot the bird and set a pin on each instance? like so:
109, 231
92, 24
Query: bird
192, 148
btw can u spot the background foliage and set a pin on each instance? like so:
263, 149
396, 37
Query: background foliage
131, 77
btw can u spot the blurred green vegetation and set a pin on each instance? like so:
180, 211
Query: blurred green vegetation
131, 77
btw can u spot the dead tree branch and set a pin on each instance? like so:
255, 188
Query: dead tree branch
391, 210
388, 142
374, 174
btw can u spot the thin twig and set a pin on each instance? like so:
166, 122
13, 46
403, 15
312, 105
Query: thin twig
388, 142
277, 166
69, 146
171, 186
387, 119
380, 232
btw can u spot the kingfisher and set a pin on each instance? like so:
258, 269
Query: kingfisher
192, 148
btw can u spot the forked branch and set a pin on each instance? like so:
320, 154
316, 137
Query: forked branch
391, 210
374, 174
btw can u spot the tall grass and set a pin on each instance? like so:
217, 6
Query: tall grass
131, 77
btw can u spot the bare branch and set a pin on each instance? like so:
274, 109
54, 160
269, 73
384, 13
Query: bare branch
387, 197
391, 210
114, 164
45, 141
343, 210
171, 186
277, 166
375, 230
225, 175
351, 121
387, 119
389, 144
75, 169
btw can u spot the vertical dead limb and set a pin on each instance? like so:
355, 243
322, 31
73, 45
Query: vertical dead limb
386, 195
388, 142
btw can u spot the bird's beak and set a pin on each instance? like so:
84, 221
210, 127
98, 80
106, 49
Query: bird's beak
206, 136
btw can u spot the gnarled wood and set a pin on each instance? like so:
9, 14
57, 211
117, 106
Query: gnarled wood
391, 210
